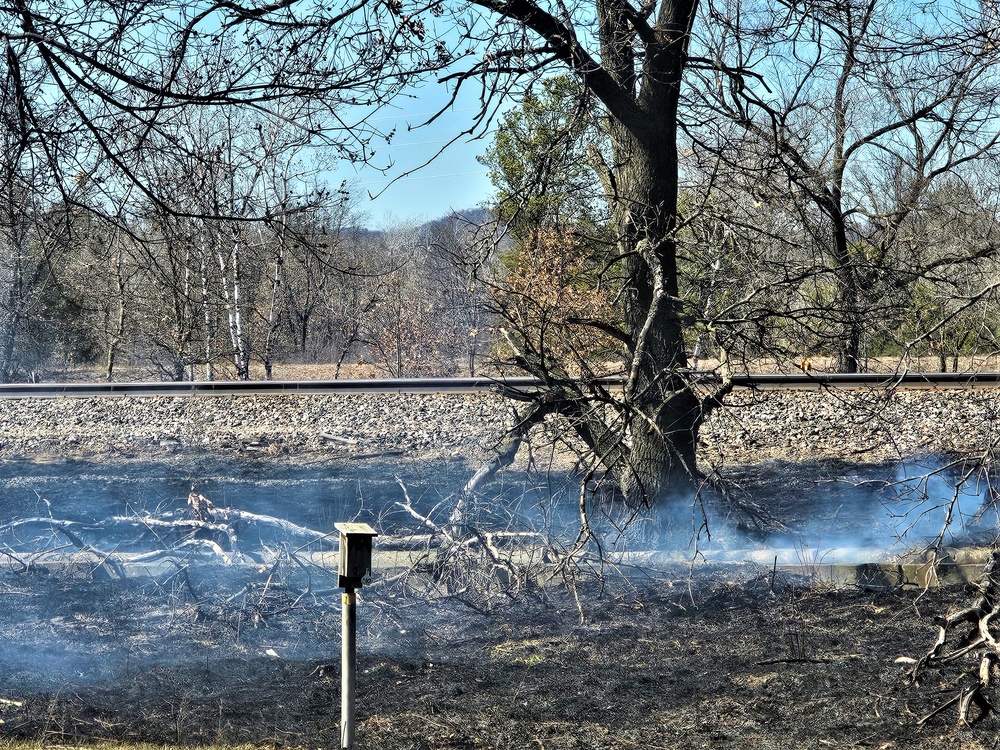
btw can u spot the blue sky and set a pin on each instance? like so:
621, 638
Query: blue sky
453, 181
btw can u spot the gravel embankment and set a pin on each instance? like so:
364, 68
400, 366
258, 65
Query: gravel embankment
274, 425
861, 426
852, 425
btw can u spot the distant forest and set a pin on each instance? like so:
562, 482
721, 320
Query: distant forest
182, 299
768, 184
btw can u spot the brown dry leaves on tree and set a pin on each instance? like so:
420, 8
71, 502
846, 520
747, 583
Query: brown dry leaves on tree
554, 303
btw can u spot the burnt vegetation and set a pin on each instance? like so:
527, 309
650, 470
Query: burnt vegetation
684, 190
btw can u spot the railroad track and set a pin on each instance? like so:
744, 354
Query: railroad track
797, 381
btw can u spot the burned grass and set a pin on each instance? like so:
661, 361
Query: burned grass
244, 652
742, 666
727, 659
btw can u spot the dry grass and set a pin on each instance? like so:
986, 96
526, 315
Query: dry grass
362, 370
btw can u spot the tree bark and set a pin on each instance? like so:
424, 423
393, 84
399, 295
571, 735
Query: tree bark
648, 442
663, 421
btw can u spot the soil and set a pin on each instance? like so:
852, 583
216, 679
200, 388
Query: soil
725, 660
690, 655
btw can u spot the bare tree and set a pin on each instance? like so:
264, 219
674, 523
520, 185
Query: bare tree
110, 74
457, 290
822, 104
170, 311
844, 114
950, 310
400, 328
93, 93
240, 187
100, 276
35, 228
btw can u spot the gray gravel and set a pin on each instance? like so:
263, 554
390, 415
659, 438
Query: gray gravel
861, 426
852, 425
354, 425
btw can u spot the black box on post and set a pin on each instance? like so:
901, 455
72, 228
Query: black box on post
355, 554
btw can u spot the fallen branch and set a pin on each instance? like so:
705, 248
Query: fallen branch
979, 616
72, 531
795, 660
182, 525
380, 454
207, 511
286, 527
56, 524
503, 455
337, 439
424, 520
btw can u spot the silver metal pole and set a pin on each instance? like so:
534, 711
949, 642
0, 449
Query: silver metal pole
348, 667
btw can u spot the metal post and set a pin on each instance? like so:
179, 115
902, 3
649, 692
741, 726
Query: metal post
355, 571
348, 667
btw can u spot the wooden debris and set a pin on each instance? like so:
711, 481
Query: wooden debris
979, 638
331, 438
380, 454
108, 546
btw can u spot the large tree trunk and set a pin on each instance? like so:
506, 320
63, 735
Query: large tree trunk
647, 441
662, 462
663, 424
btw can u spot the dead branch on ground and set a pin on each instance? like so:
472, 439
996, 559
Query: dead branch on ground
978, 638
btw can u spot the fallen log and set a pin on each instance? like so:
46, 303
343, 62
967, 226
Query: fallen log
210, 513
329, 437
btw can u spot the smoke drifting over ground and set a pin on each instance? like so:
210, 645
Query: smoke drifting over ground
239, 609
843, 513
876, 510
835, 512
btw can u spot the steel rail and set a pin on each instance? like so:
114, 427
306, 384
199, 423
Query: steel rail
796, 381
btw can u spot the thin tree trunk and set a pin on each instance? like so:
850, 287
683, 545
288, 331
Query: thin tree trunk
118, 332
231, 280
207, 319
277, 279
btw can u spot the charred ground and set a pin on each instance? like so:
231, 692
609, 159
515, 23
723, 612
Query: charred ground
730, 659
686, 656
